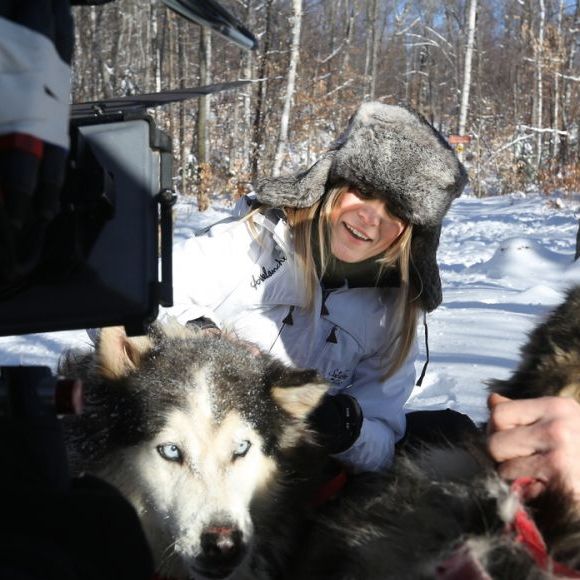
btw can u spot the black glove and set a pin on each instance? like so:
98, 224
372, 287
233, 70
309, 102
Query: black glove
338, 420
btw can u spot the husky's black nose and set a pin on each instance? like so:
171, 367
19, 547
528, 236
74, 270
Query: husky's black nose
222, 550
221, 542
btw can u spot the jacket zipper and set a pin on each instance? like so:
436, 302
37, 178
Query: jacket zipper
287, 320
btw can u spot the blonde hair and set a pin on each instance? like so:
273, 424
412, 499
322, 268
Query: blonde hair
302, 222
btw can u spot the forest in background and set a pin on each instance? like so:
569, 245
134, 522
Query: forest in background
504, 73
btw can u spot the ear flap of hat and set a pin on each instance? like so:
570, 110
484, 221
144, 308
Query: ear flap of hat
300, 190
424, 270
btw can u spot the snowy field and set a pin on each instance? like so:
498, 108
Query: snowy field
505, 262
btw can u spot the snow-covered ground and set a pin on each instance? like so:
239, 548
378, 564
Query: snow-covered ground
505, 261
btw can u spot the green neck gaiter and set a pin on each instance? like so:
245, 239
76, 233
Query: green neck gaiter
365, 274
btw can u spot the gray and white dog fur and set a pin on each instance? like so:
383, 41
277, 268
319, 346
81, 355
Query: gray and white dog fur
211, 444
205, 439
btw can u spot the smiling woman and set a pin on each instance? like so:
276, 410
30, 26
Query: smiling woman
361, 227
329, 269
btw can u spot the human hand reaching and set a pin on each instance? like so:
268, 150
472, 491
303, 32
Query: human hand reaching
537, 438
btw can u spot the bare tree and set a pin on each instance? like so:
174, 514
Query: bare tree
203, 159
539, 93
524, 88
371, 48
467, 66
374, 52
296, 20
558, 57
260, 105
348, 36
248, 63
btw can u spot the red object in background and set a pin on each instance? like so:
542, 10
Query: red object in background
459, 139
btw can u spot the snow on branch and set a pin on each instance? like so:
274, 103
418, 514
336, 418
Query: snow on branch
542, 130
331, 55
569, 78
415, 72
506, 146
424, 41
405, 30
343, 86
439, 36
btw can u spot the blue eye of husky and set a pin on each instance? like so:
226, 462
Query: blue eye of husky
171, 452
242, 449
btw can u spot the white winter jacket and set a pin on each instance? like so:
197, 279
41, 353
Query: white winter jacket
251, 286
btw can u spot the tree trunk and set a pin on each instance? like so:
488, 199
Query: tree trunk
296, 19
375, 36
371, 9
247, 73
568, 104
157, 46
258, 128
203, 171
183, 133
539, 82
348, 39
467, 67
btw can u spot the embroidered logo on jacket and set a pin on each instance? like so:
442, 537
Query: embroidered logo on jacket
266, 273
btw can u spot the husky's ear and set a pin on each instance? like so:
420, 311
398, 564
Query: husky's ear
118, 354
298, 391
299, 401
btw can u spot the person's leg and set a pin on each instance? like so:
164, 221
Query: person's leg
436, 427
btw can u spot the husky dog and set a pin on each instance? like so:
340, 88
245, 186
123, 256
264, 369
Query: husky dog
211, 444
208, 442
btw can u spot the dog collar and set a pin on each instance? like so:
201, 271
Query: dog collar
329, 489
526, 533
463, 564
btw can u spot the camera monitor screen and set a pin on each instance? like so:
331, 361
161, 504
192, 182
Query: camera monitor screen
100, 264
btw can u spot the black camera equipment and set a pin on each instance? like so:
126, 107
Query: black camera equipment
98, 264
104, 259
99, 260
55, 527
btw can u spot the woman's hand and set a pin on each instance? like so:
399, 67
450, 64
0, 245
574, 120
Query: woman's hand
338, 421
209, 328
537, 438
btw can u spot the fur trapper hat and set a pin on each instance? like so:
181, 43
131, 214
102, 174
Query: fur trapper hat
394, 154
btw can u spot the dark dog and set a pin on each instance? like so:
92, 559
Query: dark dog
212, 446
443, 512
550, 362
